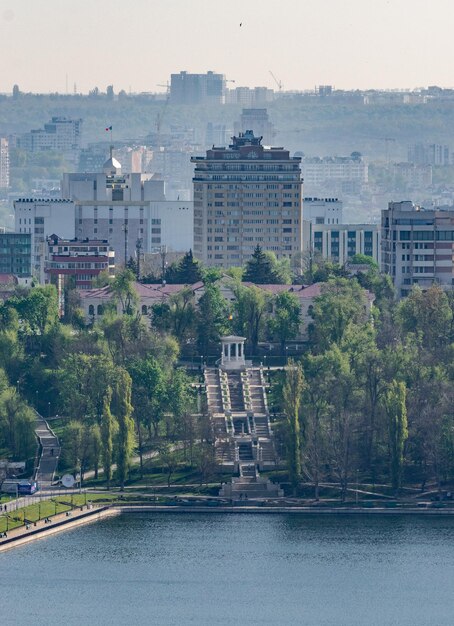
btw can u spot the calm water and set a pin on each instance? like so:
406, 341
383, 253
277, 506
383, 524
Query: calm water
235, 569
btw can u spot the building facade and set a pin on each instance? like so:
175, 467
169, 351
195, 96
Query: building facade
259, 120
418, 246
340, 242
15, 254
246, 195
340, 173
61, 134
40, 218
188, 88
323, 210
4, 163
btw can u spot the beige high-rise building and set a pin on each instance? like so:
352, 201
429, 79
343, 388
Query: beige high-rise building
4, 163
246, 195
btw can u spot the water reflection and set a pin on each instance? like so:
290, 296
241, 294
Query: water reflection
227, 569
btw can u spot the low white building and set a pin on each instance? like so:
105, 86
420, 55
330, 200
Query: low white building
323, 210
340, 242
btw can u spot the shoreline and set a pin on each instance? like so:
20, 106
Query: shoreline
20, 536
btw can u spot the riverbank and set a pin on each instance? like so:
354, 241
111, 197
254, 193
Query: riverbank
293, 510
58, 523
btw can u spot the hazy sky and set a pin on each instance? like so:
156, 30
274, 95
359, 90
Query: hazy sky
138, 44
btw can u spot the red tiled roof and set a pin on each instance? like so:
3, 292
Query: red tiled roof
8, 279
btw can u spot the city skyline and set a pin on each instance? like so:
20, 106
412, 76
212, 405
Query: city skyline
349, 45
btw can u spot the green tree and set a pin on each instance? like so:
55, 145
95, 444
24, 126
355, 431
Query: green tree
124, 291
395, 406
176, 316
263, 268
38, 310
251, 307
125, 436
291, 394
212, 318
285, 322
17, 424
108, 432
341, 303
187, 271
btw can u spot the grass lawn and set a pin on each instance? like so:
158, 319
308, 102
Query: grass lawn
48, 508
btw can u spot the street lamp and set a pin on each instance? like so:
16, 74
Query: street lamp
48, 406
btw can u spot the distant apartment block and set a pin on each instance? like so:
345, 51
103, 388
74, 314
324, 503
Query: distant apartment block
342, 173
61, 134
246, 195
258, 120
249, 97
414, 176
418, 246
429, 154
340, 242
4, 163
323, 210
15, 254
188, 88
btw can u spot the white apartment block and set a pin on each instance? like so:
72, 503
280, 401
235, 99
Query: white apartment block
4, 163
42, 218
415, 176
319, 171
61, 134
323, 210
340, 242
418, 246
246, 195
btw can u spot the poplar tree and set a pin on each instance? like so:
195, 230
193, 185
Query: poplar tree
396, 412
291, 394
107, 433
125, 439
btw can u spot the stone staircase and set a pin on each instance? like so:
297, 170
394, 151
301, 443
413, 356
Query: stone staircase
244, 441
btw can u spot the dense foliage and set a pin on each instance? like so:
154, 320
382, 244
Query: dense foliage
377, 394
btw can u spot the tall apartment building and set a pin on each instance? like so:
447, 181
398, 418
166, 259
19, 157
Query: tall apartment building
340, 242
4, 163
15, 254
323, 210
246, 195
418, 246
259, 120
429, 154
188, 88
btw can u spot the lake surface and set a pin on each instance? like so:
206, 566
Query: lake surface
235, 569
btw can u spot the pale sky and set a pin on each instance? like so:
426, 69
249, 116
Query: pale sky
137, 44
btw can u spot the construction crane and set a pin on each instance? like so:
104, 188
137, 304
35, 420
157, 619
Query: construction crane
278, 82
160, 115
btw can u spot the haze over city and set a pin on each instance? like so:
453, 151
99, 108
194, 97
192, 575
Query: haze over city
50, 46
226, 312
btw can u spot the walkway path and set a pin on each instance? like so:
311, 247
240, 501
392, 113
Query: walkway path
50, 453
